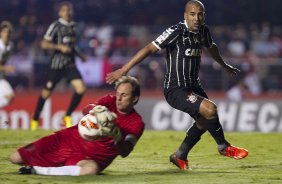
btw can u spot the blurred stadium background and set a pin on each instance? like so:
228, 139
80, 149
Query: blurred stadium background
249, 34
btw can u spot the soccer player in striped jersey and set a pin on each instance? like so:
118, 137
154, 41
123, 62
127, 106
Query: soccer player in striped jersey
182, 88
61, 39
6, 91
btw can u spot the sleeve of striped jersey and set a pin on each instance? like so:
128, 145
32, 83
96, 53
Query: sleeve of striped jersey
208, 42
167, 37
51, 32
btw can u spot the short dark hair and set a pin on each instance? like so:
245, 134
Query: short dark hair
134, 83
64, 3
6, 24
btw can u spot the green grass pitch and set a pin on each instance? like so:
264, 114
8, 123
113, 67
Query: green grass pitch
148, 163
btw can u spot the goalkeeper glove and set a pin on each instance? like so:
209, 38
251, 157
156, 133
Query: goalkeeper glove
111, 130
116, 134
103, 114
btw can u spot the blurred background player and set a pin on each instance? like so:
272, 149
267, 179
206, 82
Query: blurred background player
182, 88
61, 38
66, 153
6, 91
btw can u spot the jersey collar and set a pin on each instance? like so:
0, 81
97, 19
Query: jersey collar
186, 25
66, 23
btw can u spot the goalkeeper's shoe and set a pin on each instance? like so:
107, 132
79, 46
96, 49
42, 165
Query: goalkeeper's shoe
234, 152
67, 121
181, 164
26, 170
34, 124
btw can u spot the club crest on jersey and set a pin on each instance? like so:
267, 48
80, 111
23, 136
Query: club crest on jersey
191, 98
196, 39
193, 52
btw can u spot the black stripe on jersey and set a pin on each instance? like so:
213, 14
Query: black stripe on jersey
183, 56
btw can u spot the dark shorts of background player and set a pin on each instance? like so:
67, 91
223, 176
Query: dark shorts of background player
186, 99
55, 75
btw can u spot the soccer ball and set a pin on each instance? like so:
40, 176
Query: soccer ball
89, 128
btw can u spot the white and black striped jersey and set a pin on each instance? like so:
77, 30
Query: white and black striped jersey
183, 53
5, 53
62, 32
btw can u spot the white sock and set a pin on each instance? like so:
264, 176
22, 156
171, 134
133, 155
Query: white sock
3, 101
59, 171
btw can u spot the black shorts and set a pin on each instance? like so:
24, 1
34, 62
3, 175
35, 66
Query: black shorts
186, 99
55, 75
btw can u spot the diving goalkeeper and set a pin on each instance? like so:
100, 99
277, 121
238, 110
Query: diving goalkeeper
66, 153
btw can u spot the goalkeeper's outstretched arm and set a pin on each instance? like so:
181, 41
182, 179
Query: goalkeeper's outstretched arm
126, 146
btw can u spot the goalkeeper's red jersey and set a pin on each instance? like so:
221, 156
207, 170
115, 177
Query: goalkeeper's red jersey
67, 147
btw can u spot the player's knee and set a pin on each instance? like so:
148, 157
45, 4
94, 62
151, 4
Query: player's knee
210, 110
15, 158
45, 93
89, 170
88, 167
10, 97
81, 91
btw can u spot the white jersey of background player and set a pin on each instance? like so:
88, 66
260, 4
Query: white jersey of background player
6, 91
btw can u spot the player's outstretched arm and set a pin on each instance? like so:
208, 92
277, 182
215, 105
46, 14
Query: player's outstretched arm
124, 148
137, 58
79, 54
214, 52
7, 69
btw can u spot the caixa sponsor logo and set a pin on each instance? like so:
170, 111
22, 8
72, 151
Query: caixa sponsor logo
246, 116
193, 52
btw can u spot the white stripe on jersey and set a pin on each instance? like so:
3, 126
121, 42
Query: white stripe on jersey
190, 70
57, 61
65, 62
53, 61
177, 64
173, 39
61, 62
153, 42
48, 35
169, 75
60, 39
184, 71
